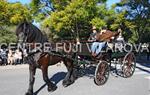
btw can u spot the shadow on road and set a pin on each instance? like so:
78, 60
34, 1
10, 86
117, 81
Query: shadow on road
55, 78
143, 62
58, 77
89, 72
147, 71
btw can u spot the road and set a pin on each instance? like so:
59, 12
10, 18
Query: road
14, 81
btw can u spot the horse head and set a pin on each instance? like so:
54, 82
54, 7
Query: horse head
28, 33
22, 32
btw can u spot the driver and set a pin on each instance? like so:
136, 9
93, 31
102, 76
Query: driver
96, 45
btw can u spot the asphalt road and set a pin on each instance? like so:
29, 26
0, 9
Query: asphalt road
14, 81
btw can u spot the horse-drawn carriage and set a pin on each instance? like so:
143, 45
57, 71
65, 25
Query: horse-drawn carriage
122, 62
114, 55
28, 33
110, 57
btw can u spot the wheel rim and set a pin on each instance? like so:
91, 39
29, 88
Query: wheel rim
129, 65
102, 73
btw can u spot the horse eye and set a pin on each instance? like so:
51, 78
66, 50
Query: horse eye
25, 33
17, 34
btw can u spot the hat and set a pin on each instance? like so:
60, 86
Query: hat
104, 27
94, 27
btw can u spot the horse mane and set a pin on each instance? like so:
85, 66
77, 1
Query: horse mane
34, 33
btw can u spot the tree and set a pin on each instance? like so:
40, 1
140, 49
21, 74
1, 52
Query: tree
74, 18
138, 12
11, 15
7, 35
71, 17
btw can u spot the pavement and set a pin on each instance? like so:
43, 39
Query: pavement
14, 81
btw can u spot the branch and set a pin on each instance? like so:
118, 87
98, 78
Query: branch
48, 3
50, 6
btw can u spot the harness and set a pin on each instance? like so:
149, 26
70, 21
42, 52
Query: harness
34, 56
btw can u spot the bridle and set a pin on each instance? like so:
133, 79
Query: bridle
23, 34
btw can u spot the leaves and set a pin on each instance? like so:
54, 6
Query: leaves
99, 23
75, 18
7, 35
11, 14
137, 18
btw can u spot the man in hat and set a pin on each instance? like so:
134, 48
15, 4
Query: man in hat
92, 37
96, 45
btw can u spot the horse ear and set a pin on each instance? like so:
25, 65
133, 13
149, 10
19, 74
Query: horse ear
25, 21
25, 27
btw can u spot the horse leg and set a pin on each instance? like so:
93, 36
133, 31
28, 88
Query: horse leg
32, 71
69, 78
51, 86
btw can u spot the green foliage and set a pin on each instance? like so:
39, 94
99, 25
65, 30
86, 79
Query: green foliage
18, 13
98, 22
138, 18
11, 14
7, 34
3, 12
77, 17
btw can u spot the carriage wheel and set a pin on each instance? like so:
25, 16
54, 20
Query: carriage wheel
129, 65
101, 73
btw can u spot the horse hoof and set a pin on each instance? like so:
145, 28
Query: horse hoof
51, 89
67, 83
29, 93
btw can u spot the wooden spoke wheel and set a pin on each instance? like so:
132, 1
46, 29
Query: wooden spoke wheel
129, 65
101, 73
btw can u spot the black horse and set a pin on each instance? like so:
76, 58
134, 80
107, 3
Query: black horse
28, 33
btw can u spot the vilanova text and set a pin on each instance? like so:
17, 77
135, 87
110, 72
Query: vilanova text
71, 47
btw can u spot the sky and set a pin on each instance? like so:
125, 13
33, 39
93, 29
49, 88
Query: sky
109, 2
22, 1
